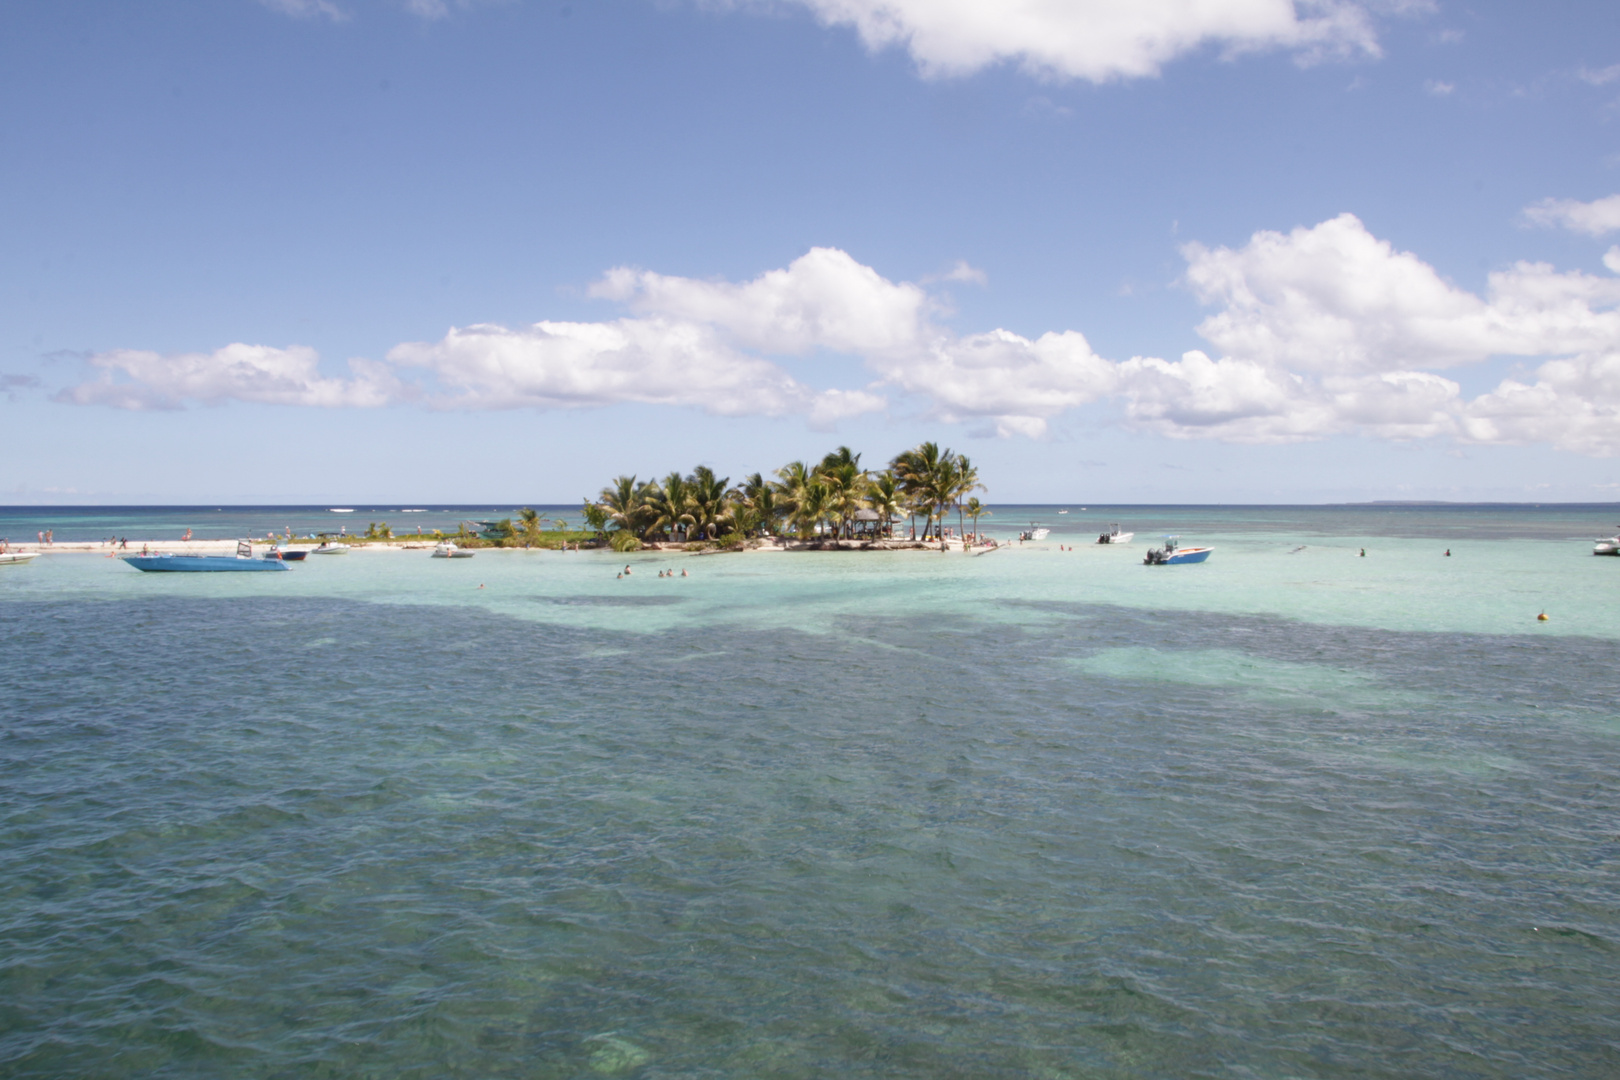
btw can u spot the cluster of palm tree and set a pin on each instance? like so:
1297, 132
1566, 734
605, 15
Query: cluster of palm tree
825, 499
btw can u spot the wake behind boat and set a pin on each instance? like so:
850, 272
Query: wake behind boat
243, 560
1172, 555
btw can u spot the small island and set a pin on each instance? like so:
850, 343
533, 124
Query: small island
834, 504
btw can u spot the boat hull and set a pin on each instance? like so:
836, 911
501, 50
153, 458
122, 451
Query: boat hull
1115, 538
17, 558
1187, 555
201, 564
1606, 547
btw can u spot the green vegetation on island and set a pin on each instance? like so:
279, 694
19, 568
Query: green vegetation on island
834, 500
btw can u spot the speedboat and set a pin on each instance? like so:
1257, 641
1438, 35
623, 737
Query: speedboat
17, 558
1114, 536
1610, 546
290, 555
157, 562
329, 548
447, 550
1034, 532
1172, 553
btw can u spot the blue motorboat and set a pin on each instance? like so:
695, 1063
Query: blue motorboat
1172, 554
194, 564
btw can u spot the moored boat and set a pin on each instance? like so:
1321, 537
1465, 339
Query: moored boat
447, 550
290, 555
17, 558
329, 548
1114, 536
1035, 532
243, 560
1608, 546
1172, 554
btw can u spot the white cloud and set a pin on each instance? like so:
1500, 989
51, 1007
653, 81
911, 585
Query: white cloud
654, 361
1321, 331
137, 379
1016, 383
307, 9
1440, 89
1593, 218
1102, 40
823, 300
1331, 330
1599, 76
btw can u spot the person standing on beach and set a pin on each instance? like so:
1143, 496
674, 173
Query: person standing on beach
50, 537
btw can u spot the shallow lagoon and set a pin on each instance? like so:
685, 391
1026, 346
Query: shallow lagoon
1290, 813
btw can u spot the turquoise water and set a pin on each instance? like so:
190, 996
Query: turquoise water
1293, 812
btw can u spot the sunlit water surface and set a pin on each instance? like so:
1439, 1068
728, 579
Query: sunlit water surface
1294, 812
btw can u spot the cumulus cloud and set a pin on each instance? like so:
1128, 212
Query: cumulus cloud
138, 379
824, 299
1593, 218
1329, 329
1320, 331
1102, 40
655, 361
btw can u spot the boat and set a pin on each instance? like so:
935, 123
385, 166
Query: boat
1173, 554
242, 560
1063, 511
1609, 546
447, 550
1114, 536
290, 555
329, 548
17, 558
1034, 532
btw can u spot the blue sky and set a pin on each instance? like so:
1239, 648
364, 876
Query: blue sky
1145, 251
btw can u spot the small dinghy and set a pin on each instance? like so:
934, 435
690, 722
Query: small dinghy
1172, 554
243, 560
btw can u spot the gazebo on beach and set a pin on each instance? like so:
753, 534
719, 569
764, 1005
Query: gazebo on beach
867, 525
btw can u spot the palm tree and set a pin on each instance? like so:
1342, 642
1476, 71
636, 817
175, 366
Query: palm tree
883, 495
706, 499
967, 482
919, 474
668, 505
976, 510
626, 504
846, 491
810, 508
760, 496
531, 525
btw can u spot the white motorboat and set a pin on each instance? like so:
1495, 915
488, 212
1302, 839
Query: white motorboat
447, 550
329, 548
1034, 532
1609, 546
17, 558
1114, 536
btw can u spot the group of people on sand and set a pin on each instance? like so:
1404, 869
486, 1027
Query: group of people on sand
662, 573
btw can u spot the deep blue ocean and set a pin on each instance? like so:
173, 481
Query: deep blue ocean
1295, 812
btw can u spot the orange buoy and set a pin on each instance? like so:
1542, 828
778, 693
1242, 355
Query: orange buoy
1542, 617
